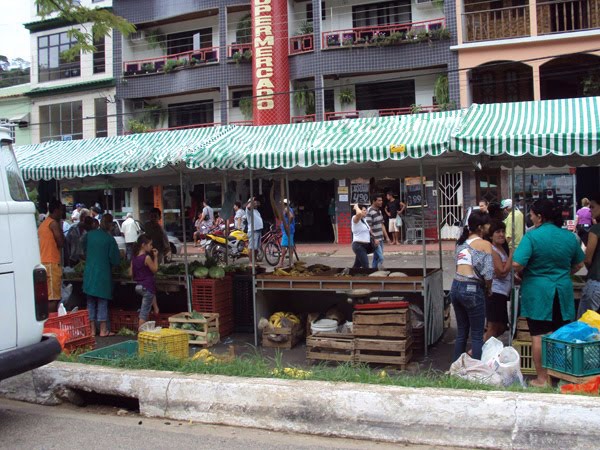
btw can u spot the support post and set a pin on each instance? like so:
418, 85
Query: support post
185, 252
253, 260
290, 246
425, 303
439, 221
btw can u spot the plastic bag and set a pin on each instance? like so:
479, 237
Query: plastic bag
574, 331
471, 369
507, 364
65, 292
416, 316
62, 311
592, 318
491, 349
589, 387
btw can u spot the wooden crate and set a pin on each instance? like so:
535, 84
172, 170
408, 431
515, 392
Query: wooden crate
330, 347
397, 352
391, 323
291, 337
209, 325
522, 330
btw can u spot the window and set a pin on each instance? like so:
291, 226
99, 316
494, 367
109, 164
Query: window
309, 12
16, 187
184, 42
329, 100
100, 114
385, 13
61, 122
192, 113
11, 127
387, 95
51, 65
237, 96
99, 55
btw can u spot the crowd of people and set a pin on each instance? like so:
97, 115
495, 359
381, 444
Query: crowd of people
542, 260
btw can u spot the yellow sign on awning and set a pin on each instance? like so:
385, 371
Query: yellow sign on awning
398, 148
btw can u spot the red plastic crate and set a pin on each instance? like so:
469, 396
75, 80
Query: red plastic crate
210, 295
76, 325
119, 318
83, 344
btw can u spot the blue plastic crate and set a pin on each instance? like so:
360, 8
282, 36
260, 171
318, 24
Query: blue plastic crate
121, 350
577, 359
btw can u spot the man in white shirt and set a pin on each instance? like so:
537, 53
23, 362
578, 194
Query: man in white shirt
76, 213
255, 227
238, 219
131, 231
208, 215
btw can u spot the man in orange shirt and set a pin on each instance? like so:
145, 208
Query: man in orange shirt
51, 240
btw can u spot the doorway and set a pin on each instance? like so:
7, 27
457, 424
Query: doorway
488, 185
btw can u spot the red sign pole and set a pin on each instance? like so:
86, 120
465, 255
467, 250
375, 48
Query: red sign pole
270, 70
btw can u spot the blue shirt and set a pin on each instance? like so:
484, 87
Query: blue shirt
292, 225
547, 253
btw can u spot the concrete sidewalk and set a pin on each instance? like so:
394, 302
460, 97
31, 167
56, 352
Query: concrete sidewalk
481, 419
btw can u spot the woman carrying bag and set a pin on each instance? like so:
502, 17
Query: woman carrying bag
361, 238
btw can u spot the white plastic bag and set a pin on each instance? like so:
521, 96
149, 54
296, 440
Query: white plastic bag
65, 292
508, 365
62, 311
491, 349
471, 369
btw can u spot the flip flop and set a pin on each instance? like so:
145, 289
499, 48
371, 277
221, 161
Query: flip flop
108, 334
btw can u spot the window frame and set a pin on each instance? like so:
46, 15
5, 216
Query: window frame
64, 69
50, 124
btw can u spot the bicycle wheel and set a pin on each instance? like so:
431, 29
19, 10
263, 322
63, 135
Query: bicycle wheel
272, 252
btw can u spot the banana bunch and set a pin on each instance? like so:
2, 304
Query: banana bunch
279, 319
292, 373
204, 355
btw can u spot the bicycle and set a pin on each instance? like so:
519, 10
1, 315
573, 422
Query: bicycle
270, 244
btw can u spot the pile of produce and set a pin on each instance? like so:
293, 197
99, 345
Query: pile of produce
299, 269
277, 321
283, 319
206, 269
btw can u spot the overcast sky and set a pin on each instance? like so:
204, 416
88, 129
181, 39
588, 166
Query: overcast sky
14, 38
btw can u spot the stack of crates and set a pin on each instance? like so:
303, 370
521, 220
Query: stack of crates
215, 296
173, 342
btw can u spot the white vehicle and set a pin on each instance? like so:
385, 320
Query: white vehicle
175, 244
24, 300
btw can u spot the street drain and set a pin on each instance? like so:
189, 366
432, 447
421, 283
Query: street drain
84, 398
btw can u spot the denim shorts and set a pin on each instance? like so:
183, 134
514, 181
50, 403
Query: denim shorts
590, 297
147, 298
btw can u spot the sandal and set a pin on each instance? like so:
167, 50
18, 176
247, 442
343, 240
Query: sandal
108, 334
534, 383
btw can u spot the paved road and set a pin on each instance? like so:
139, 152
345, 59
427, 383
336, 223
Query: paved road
26, 426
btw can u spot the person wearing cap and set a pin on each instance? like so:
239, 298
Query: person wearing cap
287, 237
513, 215
75, 215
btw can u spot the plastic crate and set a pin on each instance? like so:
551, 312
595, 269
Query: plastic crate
210, 295
243, 308
206, 332
121, 350
173, 342
577, 359
119, 318
524, 349
76, 325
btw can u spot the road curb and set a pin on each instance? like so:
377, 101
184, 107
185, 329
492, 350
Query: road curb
427, 416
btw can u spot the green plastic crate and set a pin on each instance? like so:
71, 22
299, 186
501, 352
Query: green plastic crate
577, 359
121, 350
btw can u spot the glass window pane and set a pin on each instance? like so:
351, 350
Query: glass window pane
43, 41
64, 38
53, 39
54, 61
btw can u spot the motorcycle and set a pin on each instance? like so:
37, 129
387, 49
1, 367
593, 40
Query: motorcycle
237, 247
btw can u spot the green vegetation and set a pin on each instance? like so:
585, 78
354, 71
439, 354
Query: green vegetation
346, 96
246, 107
304, 98
255, 365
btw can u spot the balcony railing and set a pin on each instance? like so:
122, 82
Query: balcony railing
338, 115
241, 52
241, 122
566, 16
168, 63
184, 127
301, 44
498, 23
303, 119
386, 34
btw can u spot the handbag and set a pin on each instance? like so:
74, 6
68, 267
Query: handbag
370, 247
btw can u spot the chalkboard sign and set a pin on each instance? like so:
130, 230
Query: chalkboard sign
413, 193
360, 193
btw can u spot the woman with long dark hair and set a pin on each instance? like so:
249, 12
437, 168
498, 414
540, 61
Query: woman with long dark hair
474, 272
546, 256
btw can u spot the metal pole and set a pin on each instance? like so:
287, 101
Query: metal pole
574, 178
253, 261
439, 219
524, 202
513, 315
185, 253
290, 246
423, 218
512, 210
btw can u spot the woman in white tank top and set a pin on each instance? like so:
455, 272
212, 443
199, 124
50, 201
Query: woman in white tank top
361, 238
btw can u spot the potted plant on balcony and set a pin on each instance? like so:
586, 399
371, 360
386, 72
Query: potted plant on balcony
415, 109
137, 126
305, 28
170, 65
193, 62
156, 38
348, 39
246, 107
148, 68
333, 40
247, 55
438, 34
304, 98
442, 94
346, 96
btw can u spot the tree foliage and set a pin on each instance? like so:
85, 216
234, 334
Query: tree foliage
102, 21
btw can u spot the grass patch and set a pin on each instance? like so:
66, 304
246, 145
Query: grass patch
255, 365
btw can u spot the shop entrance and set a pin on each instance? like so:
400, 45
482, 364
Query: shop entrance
310, 200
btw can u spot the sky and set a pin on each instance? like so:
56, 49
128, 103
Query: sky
14, 38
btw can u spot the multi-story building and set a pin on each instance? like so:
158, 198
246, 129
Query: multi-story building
15, 109
523, 50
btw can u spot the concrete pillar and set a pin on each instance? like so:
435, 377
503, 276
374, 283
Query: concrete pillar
533, 30
223, 88
135, 202
535, 67
316, 4
465, 89
319, 98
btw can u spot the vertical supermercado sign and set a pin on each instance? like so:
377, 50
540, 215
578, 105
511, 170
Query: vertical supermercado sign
270, 73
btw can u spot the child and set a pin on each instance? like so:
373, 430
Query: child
143, 267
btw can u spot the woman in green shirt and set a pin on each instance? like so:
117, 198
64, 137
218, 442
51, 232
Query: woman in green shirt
547, 256
101, 253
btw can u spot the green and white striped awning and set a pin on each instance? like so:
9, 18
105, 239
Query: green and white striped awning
328, 143
114, 155
538, 128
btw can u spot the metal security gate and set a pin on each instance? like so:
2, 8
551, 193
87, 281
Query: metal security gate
451, 204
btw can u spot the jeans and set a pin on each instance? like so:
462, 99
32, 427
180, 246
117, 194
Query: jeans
129, 251
468, 299
590, 297
147, 298
97, 308
378, 255
361, 261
